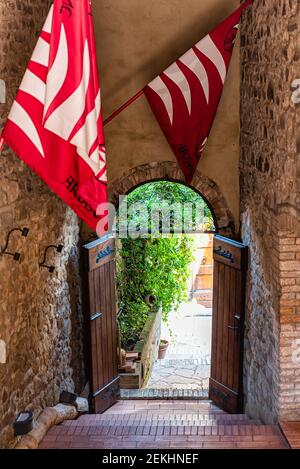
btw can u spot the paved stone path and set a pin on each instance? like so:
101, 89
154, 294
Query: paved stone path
163, 424
187, 362
181, 374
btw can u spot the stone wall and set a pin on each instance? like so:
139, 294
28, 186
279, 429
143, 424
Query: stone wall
40, 313
270, 149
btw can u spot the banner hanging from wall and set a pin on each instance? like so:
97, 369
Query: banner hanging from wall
55, 124
185, 97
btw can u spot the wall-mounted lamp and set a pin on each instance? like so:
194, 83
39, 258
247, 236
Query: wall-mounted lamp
23, 423
16, 255
67, 397
43, 264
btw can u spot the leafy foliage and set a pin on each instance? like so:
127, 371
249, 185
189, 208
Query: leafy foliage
157, 266
131, 289
167, 270
143, 201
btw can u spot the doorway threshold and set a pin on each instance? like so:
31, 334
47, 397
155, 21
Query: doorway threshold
174, 394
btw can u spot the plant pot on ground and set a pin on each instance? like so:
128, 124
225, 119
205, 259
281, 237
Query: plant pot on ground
164, 344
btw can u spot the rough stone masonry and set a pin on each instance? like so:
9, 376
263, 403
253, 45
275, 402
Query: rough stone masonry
270, 156
40, 313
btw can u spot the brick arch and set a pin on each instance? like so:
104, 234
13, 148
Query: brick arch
169, 170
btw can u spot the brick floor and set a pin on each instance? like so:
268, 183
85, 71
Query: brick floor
291, 431
163, 424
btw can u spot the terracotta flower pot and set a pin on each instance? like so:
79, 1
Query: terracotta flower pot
164, 344
123, 357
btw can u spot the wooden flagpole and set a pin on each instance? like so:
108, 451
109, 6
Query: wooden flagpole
124, 106
109, 119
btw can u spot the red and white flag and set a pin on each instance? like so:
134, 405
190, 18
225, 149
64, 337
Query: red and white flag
55, 124
185, 97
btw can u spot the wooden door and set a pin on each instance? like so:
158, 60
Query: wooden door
230, 266
101, 323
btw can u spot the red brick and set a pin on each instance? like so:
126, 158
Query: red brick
133, 426
219, 445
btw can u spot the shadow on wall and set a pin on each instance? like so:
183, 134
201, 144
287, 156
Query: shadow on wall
77, 321
172, 48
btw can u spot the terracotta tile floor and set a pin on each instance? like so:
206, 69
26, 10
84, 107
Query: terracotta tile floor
163, 424
291, 431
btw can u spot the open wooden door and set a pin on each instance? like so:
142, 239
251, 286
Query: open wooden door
101, 322
230, 267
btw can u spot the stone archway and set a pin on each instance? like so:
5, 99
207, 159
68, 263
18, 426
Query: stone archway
169, 170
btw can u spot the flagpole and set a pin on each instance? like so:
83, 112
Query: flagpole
124, 106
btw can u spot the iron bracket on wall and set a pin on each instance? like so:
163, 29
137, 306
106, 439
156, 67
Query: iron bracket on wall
43, 264
16, 255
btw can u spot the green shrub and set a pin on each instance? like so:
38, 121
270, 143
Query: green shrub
157, 266
151, 266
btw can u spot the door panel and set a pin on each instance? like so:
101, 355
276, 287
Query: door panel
230, 267
100, 302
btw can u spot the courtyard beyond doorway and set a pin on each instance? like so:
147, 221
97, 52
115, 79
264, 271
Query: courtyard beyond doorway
186, 365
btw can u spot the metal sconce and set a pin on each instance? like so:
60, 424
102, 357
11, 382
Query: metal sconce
68, 398
16, 255
43, 264
24, 423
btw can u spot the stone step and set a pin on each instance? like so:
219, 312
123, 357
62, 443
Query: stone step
181, 418
183, 360
171, 406
144, 429
174, 360
178, 414
169, 423
171, 420
179, 394
163, 424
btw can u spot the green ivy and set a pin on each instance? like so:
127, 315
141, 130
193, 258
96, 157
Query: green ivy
167, 270
156, 266
131, 289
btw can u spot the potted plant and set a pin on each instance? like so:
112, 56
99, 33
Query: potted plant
163, 346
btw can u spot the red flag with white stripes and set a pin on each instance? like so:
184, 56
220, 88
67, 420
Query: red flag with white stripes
185, 97
55, 124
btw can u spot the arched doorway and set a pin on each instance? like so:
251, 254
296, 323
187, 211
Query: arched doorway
174, 266
169, 171
230, 264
